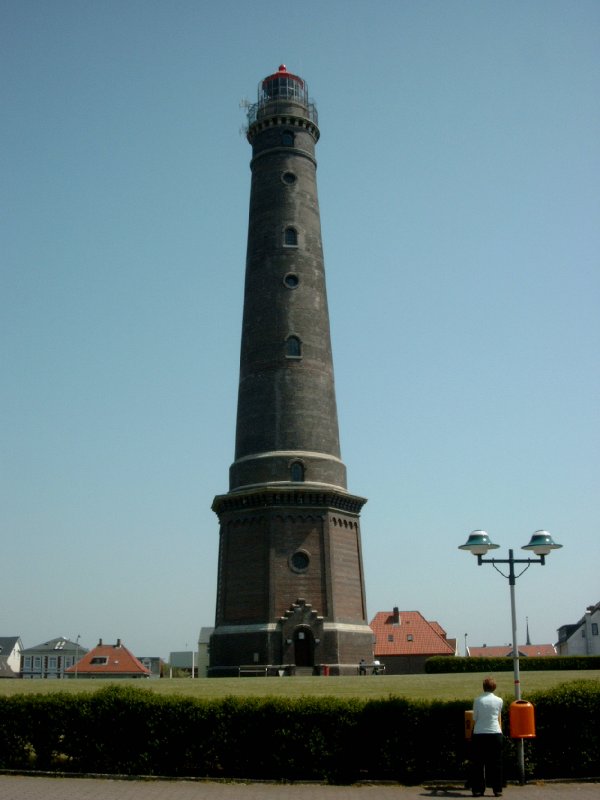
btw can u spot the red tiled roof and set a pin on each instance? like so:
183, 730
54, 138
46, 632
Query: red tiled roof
506, 650
412, 636
109, 659
438, 629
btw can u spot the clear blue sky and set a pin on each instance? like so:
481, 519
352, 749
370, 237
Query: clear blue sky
459, 175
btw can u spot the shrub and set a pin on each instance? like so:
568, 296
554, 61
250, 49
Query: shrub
438, 664
122, 730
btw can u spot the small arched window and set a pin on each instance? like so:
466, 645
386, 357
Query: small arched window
293, 347
297, 471
290, 237
287, 139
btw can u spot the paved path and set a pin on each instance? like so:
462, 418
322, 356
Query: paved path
20, 787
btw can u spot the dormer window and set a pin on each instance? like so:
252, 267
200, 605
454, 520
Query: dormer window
99, 660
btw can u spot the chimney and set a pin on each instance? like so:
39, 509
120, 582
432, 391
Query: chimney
118, 644
99, 642
396, 615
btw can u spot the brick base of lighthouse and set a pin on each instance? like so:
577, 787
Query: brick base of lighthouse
291, 589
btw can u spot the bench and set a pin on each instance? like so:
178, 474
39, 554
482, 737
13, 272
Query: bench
253, 670
371, 669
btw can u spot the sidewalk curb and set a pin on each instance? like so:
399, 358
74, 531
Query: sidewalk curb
449, 784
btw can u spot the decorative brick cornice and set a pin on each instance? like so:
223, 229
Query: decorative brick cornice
288, 497
287, 120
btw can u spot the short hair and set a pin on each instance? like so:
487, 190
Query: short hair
489, 685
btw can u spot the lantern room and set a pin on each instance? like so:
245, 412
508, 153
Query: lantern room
282, 92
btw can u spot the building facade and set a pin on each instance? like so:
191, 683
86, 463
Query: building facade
290, 591
11, 648
204, 651
581, 638
51, 659
108, 661
404, 640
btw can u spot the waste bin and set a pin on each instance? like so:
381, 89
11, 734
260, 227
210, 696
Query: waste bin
522, 720
325, 669
469, 724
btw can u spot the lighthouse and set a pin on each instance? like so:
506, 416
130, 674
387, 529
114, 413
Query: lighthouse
290, 589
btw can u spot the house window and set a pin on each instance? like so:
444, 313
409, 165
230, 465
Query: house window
27, 662
594, 629
52, 662
293, 347
37, 662
290, 237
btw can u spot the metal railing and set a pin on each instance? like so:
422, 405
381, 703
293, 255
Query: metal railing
272, 107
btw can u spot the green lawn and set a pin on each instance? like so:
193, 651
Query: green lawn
442, 687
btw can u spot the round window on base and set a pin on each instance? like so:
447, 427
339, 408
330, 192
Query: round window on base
299, 561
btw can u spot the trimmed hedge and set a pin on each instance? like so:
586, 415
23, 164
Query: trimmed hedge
123, 730
438, 664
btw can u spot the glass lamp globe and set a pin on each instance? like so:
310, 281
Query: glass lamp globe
479, 543
541, 543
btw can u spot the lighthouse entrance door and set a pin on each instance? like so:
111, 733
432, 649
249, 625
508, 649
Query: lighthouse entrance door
304, 647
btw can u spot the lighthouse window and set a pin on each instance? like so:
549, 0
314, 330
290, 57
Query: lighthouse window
289, 178
290, 237
291, 280
287, 138
297, 472
293, 347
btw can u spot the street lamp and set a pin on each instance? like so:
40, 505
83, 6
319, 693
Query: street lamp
541, 543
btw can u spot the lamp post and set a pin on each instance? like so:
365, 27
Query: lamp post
541, 543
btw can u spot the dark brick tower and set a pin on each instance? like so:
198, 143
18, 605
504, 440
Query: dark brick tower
290, 584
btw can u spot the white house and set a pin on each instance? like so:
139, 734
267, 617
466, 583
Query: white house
11, 648
581, 638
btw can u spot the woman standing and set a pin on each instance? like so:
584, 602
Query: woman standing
487, 741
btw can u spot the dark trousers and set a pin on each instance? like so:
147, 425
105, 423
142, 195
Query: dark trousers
487, 762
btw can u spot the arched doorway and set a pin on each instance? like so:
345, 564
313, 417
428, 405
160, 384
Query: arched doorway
304, 647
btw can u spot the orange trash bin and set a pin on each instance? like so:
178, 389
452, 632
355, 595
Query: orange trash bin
522, 720
469, 725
